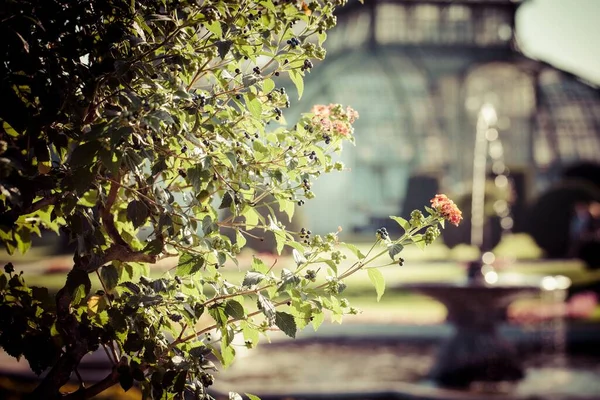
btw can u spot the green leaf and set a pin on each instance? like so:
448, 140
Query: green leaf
223, 47
251, 217
288, 207
189, 264
227, 354
297, 246
419, 241
288, 278
394, 249
50, 222
298, 257
234, 396
260, 148
215, 27
218, 314
110, 159
377, 280
227, 201
268, 85
250, 333
199, 351
22, 237
153, 247
354, 250
234, 309
252, 278
78, 281
286, 323
126, 379
298, 81
84, 153
252, 397
240, 239
279, 241
317, 319
208, 225
402, 222
323, 36
231, 157
332, 265
198, 176
137, 213
259, 266
250, 80
254, 105
110, 276
79, 294
266, 307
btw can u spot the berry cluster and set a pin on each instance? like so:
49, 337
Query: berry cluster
382, 234
306, 184
293, 42
416, 219
307, 65
278, 112
311, 275
175, 317
337, 256
250, 137
200, 99
305, 235
207, 379
431, 234
334, 286
256, 70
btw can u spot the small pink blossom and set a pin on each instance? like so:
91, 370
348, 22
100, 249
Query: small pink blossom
321, 110
341, 128
352, 114
447, 209
323, 123
334, 117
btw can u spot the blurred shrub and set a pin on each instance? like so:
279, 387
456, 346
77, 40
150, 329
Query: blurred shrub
550, 215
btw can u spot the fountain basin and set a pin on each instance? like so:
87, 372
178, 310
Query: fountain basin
476, 353
392, 362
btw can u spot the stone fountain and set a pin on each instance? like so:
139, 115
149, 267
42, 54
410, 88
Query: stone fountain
474, 361
477, 305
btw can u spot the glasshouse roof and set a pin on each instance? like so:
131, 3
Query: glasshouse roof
420, 72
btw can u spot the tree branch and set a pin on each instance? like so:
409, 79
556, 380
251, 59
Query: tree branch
115, 252
38, 205
107, 217
60, 373
97, 388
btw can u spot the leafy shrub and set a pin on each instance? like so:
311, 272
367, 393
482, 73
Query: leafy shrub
124, 118
551, 215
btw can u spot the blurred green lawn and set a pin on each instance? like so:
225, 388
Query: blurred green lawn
516, 253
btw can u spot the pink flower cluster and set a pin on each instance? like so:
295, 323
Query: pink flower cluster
334, 118
447, 209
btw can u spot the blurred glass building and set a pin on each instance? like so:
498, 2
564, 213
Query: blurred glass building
419, 72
